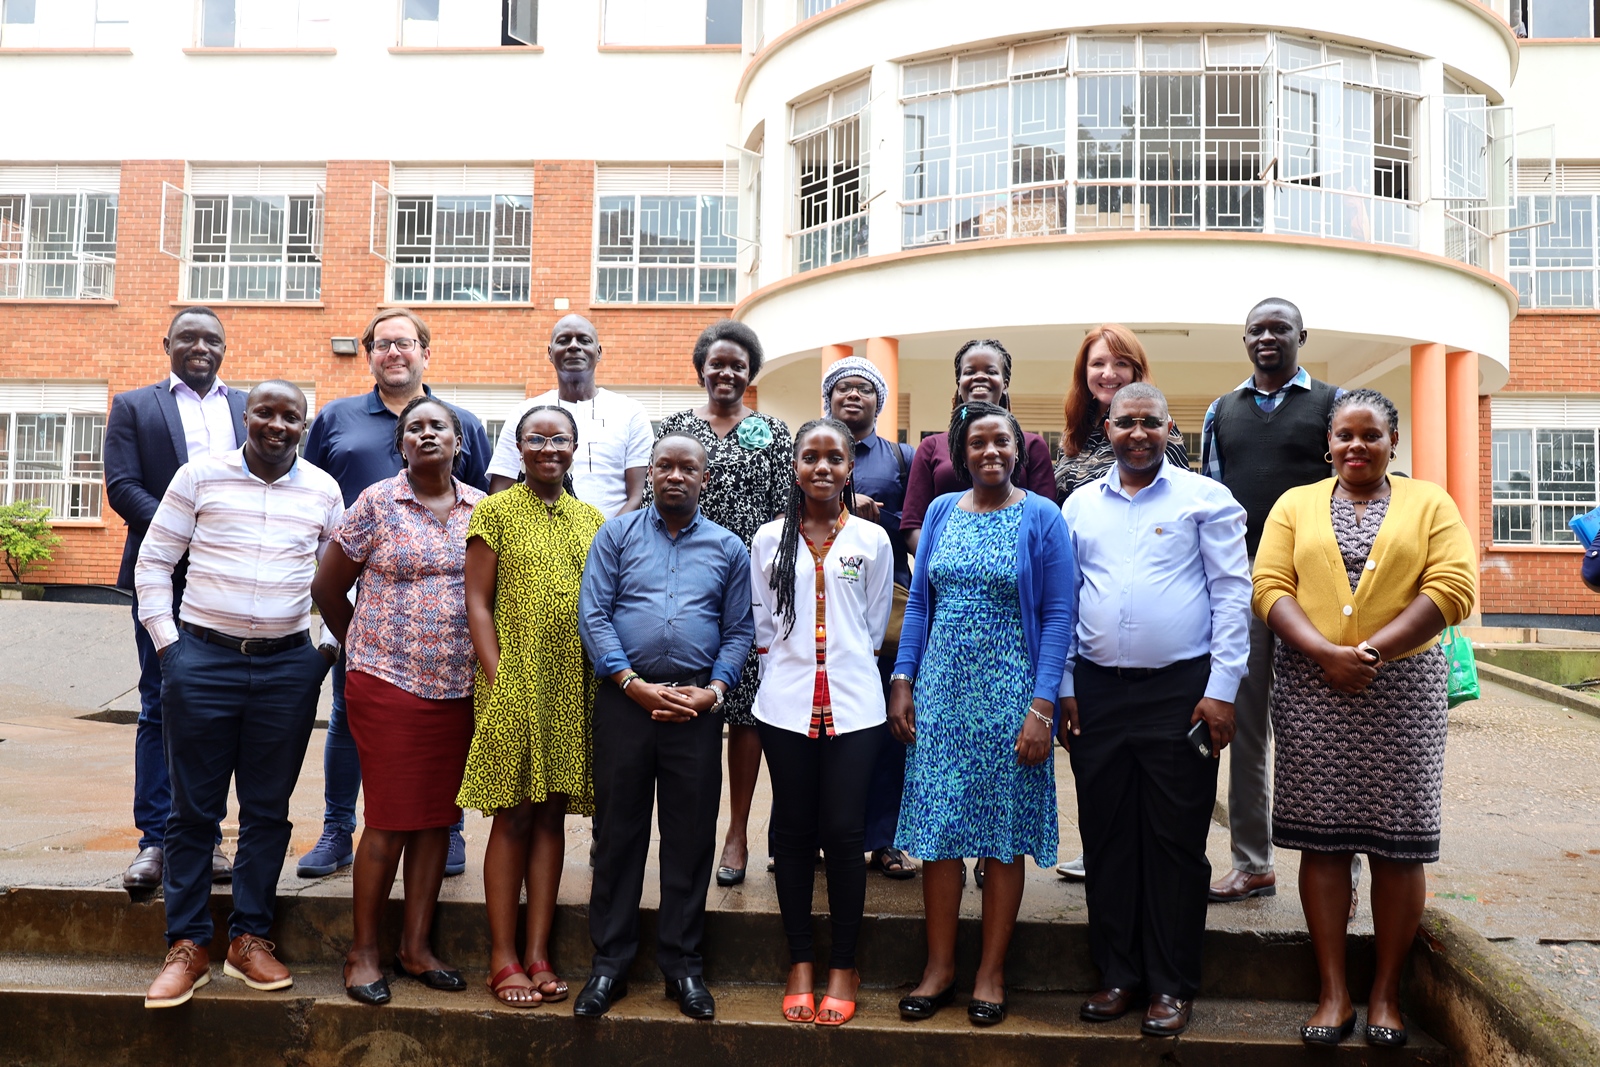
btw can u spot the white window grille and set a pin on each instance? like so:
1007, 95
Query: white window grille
468, 23
265, 23
664, 235
1201, 132
831, 164
493, 404
58, 232
456, 235
660, 401
1553, 248
672, 22
64, 23
52, 438
247, 233
816, 7
1543, 462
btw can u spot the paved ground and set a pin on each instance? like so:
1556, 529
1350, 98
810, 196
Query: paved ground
1521, 807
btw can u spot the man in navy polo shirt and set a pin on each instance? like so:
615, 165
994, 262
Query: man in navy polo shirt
353, 440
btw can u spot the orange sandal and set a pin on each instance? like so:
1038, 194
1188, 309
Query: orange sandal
497, 986
844, 1010
800, 1002
543, 967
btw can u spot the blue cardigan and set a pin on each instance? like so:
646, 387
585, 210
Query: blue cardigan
1047, 582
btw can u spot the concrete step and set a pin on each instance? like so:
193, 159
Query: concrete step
78, 1009
740, 946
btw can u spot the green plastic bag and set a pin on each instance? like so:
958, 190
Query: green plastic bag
1463, 683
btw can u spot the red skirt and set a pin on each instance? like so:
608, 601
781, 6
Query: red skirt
413, 753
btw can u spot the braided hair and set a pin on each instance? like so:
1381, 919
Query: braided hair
961, 422
1366, 398
566, 479
783, 565
1005, 369
400, 429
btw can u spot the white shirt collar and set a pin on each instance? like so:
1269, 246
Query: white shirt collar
218, 387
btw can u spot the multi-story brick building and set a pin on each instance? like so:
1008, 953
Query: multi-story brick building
889, 176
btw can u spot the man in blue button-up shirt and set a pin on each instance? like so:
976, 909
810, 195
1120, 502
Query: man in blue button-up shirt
1161, 644
664, 612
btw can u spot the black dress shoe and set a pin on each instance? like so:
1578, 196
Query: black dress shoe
729, 876
145, 870
986, 1013
693, 998
915, 1008
1385, 1036
1107, 1004
597, 996
1328, 1035
447, 981
221, 866
373, 993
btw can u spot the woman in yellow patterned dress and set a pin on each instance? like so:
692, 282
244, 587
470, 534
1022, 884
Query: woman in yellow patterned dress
530, 764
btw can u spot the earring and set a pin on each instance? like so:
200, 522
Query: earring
1393, 455
1327, 457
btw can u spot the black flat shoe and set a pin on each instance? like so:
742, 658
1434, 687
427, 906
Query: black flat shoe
1328, 1035
979, 869
374, 993
986, 1013
1385, 1036
597, 996
446, 981
694, 999
915, 1008
729, 876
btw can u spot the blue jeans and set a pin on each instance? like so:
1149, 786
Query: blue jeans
245, 718
152, 793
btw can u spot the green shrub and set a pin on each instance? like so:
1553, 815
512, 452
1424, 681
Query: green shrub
25, 537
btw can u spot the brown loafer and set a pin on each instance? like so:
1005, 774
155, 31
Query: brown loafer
187, 968
1107, 1004
145, 870
1239, 885
250, 960
1166, 1016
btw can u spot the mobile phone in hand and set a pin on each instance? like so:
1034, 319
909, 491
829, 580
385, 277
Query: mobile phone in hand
1200, 738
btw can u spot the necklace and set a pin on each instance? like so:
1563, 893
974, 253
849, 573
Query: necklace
1007, 502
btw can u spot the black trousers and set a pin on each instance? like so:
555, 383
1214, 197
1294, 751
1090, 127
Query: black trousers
819, 789
636, 762
1144, 808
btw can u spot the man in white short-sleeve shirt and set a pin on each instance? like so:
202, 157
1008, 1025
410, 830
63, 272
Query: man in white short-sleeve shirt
614, 435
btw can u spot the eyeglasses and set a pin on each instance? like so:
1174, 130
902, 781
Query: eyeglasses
861, 389
539, 442
1149, 422
399, 344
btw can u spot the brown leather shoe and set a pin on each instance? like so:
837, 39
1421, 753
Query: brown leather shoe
221, 866
1239, 885
250, 960
1107, 1004
187, 968
1166, 1016
145, 870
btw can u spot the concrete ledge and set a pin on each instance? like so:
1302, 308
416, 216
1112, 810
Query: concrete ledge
1485, 1008
1567, 698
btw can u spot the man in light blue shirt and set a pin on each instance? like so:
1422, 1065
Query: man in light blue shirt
1161, 645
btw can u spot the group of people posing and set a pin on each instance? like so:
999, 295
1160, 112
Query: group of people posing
564, 624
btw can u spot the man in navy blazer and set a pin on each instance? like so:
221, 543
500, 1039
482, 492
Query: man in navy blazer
150, 433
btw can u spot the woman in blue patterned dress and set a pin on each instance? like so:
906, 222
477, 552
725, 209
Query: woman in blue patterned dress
973, 697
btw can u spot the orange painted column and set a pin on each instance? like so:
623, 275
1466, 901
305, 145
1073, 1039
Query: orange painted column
1429, 422
831, 354
1461, 432
884, 353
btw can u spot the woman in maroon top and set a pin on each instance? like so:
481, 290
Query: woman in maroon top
983, 372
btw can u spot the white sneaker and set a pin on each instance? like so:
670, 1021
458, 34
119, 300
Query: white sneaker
1072, 869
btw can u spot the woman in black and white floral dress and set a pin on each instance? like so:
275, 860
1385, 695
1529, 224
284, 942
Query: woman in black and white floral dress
750, 463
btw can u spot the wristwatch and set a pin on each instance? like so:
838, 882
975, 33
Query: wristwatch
720, 694
906, 678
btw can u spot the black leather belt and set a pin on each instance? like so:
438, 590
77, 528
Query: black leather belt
1139, 673
248, 646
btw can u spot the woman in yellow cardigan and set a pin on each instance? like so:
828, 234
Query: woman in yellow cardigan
1358, 575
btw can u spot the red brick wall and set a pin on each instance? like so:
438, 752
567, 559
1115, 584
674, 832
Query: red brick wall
1551, 352
120, 343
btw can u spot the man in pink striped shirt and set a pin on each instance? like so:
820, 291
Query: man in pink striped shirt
239, 674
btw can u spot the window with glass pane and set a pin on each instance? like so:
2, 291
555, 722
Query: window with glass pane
1540, 480
665, 249
60, 246
831, 188
255, 247
54, 459
1552, 251
468, 23
470, 249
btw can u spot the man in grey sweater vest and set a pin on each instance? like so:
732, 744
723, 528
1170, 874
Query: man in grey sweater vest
1264, 438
